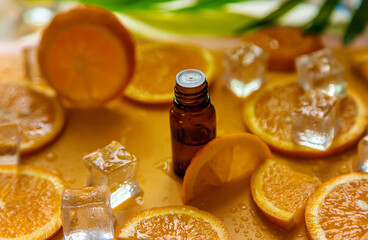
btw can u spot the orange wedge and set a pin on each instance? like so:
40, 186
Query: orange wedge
281, 193
87, 55
178, 222
338, 209
267, 114
30, 201
157, 66
39, 116
225, 159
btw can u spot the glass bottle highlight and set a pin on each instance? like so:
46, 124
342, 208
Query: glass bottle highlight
192, 118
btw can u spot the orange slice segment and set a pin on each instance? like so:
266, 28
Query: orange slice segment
40, 117
225, 159
178, 222
30, 201
157, 66
87, 55
281, 193
267, 114
339, 209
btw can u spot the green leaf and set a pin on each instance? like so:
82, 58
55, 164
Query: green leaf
125, 5
357, 23
208, 4
319, 23
201, 23
270, 18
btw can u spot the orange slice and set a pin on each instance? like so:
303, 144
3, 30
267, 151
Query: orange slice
267, 114
157, 66
39, 116
339, 209
225, 159
87, 55
30, 201
283, 45
281, 193
178, 222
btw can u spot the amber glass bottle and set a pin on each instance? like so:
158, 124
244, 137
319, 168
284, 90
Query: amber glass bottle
192, 118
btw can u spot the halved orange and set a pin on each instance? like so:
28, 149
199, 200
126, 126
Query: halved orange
338, 209
267, 113
284, 44
39, 116
157, 66
178, 222
87, 55
225, 159
30, 201
282, 193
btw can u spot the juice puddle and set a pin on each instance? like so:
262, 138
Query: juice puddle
145, 132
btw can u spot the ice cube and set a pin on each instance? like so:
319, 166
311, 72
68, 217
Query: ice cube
114, 166
315, 120
86, 214
9, 144
244, 68
321, 71
363, 155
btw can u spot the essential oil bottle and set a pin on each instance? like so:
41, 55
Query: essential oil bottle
192, 118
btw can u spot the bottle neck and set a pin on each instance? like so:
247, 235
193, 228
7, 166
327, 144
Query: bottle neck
192, 97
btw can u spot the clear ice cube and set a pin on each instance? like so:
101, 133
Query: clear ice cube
86, 214
363, 155
114, 166
321, 71
9, 144
244, 68
315, 120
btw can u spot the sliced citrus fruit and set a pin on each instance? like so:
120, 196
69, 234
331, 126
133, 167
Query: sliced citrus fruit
178, 222
267, 114
284, 44
338, 209
225, 159
87, 55
30, 201
157, 66
282, 193
40, 117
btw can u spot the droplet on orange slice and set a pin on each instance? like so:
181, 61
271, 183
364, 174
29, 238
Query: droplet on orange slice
225, 159
338, 209
267, 114
158, 63
39, 116
178, 222
30, 201
282, 193
87, 55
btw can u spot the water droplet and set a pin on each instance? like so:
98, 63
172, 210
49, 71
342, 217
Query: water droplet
244, 219
237, 230
344, 168
233, 210
264, 228
258, 235
243, 206
56, 172
363, 205
316, 168
70, 180
165, 199
234, 219
256, 223
51, 156
245, 232
139, 200
241, 225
